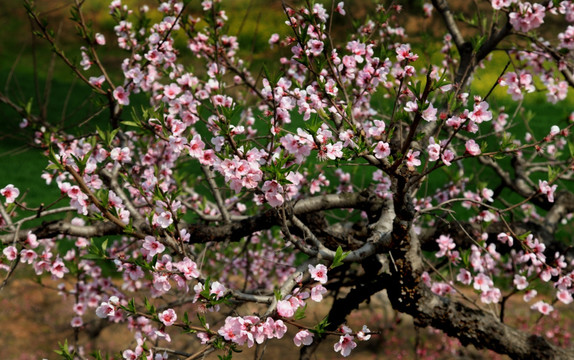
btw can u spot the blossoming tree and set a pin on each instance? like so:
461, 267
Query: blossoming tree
348, 171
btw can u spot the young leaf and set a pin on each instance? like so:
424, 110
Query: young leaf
339, 257
300, 312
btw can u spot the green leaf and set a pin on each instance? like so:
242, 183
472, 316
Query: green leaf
92, 257
52, 157
319, 329
202, 321
64, 352
227, 356
339, 257
29, 106
97, 355
571, 148
132, 306
149, 306
130, 123
300, 312
477, 42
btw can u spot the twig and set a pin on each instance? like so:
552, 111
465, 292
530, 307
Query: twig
216, 194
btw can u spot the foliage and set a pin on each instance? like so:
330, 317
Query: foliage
354, 166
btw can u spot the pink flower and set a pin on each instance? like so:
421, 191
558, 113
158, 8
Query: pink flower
106, 309
303, 337
129, 355
121, 155
412, 159
517, 82
345, 345
382, 150
442, 288
280, 328
340, 8
520, 282
377, 129
464, 276
491, 296
334, 150
547, 189
317, 292
10, 193
427, 8
404, 53
274, 39
487, 194
480, 113
434, 152
188, 268
153, 246
121, 96
564, 296
100, 39
364, 334
454, 121
445, 244
97, 81
27, 256
162, 335
318, 273
499, 4
529, 16
217, 289
164, 219
285, 309
76, 322
58, 269
203, 337
171, 91
411, 106
447, 157
168, 317
273, 193
331, 87
482, 282
315, 47
472, 147
505, 238
161, 283
86, 62
429, 114
543, 307
10, 252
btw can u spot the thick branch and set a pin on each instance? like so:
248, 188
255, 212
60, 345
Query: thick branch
469, 57
448, 18
563, 205
201, 233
